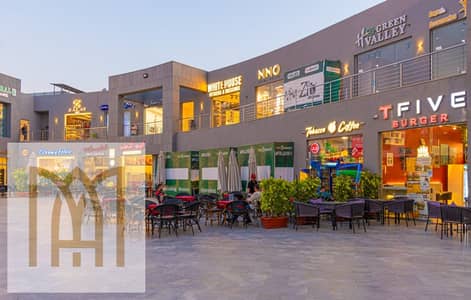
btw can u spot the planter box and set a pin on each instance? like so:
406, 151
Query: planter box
274, 222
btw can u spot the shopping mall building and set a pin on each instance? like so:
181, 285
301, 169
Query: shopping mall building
386, 88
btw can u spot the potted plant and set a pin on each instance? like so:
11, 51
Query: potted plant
343, 188
275, 202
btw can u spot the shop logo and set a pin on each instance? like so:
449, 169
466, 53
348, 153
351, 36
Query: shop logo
6, 91
315, 148
269, 72
224, 87
77, 106
382, 32
332, 127
457, 101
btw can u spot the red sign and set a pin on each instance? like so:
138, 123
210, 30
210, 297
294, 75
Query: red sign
315, 148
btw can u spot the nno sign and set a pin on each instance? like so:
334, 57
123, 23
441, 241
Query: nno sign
382, 32
269, 72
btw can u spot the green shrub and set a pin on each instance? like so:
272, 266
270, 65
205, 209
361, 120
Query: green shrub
370, 185
276, 195
303, 190
343, 189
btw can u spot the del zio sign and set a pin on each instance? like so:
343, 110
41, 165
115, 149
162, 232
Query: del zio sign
409, 113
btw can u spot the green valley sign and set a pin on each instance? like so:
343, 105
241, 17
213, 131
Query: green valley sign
6, 91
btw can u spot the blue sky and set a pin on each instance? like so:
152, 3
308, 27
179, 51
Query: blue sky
83, 42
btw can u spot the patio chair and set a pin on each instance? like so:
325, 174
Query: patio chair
308, 211
352, 211
444, 197
451, 214
210, 210
374, 208
466, 216
402, 206
165, 215
434, 212
236, 209
191, 216
170, 200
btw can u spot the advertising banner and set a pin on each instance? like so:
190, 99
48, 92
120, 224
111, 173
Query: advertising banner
179, 166
304, 86
208, 166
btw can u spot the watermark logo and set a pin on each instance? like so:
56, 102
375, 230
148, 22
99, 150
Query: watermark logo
79, 218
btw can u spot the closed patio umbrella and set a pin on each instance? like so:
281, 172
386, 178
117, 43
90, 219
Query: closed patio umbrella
222, 175
161, 178
233, 174
252, 164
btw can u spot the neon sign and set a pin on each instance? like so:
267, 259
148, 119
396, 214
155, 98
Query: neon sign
224, 87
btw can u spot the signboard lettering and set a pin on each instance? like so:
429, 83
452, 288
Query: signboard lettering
224, 87
269, 72
382, 32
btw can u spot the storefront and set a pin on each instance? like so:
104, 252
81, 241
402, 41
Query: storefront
334, 148
225, 101
77, 122
425, 153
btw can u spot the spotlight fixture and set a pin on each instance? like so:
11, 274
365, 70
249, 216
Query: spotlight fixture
145, 75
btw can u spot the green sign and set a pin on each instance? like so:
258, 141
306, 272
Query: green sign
5, 91
180, 169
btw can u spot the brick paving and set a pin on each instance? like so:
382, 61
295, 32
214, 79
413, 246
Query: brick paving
387, 262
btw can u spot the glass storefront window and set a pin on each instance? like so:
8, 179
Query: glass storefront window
453, 61
425, 161
4, 108
77, 126
345, 149
270, 99
367, 83
3, 171
225, 110
24, 130
153, 120
188, 116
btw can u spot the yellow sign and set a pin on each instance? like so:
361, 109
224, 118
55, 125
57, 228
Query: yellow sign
224, 87
436, 12
447, 19
334, 128
77, 106
442, 21
268, 72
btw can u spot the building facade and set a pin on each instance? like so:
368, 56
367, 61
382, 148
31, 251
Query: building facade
387, 88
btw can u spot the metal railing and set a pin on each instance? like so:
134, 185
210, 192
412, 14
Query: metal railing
427, 67
143, 129
80, 134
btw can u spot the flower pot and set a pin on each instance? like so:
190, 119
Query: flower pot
274, 222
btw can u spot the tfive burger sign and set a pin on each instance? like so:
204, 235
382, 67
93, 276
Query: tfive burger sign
370, 36
409, 114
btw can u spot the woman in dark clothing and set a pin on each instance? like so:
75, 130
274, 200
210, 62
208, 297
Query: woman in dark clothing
252, 183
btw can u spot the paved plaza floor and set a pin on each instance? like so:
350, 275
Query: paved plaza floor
387, 262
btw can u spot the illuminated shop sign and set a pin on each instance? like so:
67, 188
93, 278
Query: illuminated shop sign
224, 87
59, 152
457, 101
77, 107
269, 72
334, 127
462, 12
393, 28
6, 91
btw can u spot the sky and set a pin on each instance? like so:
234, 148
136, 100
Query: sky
83, 42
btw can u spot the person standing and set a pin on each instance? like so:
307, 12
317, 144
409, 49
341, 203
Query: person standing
252, 183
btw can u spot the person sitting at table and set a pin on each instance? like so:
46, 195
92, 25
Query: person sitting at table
159, 192
254, 202
325, 195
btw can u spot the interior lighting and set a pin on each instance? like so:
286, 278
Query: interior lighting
420, 46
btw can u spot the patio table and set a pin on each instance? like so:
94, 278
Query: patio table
328, 207
186, 198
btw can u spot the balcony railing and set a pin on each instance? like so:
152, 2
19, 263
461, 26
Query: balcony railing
427, 67
142, 129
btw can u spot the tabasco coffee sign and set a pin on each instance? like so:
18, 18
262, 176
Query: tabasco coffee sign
409, 114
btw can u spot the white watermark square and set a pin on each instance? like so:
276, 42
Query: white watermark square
76, 218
